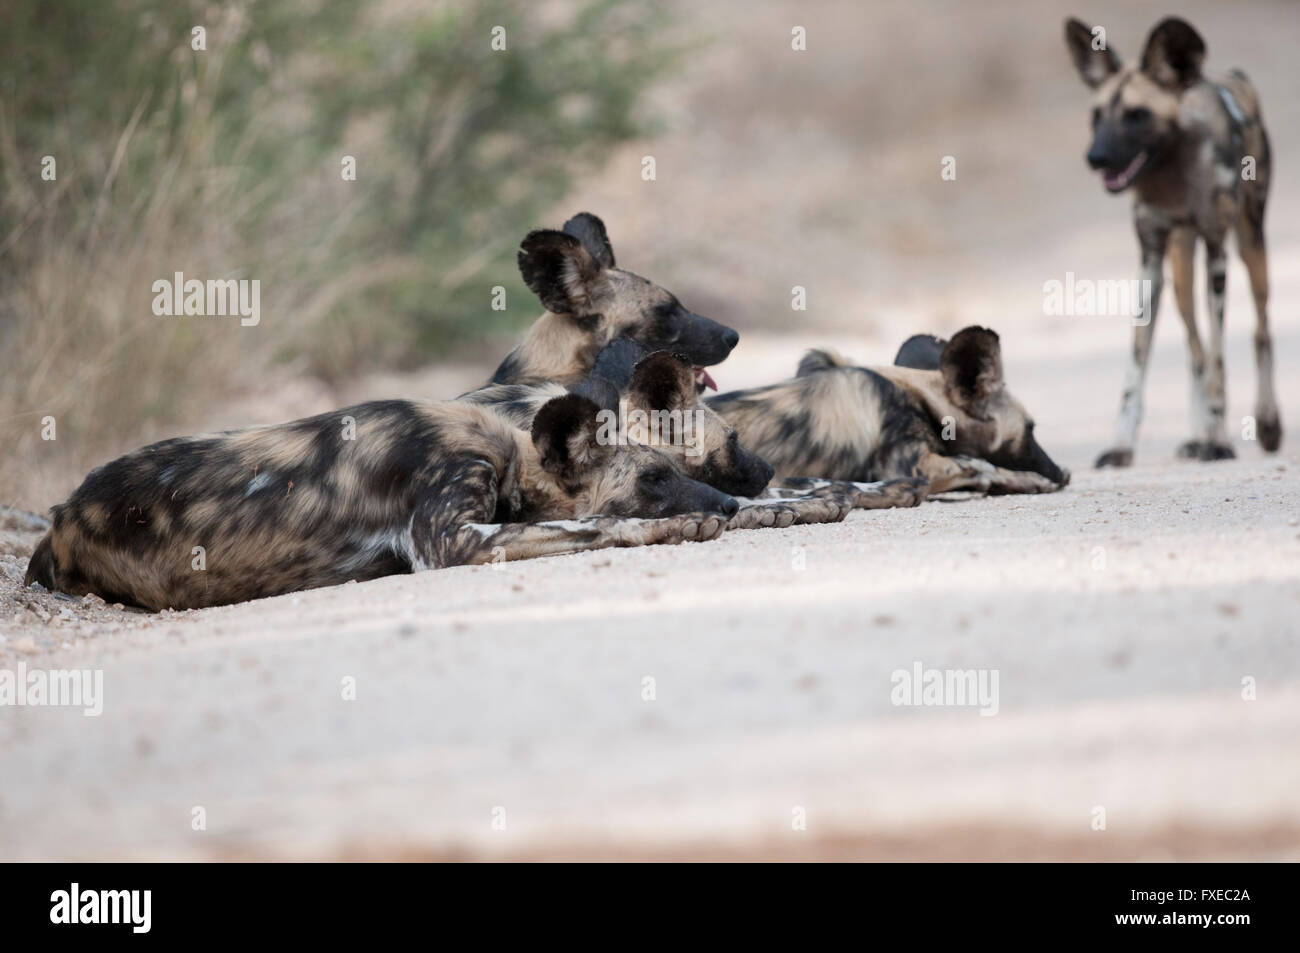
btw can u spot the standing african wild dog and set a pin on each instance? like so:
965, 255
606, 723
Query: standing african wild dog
835, 421
590, 302
414, 486
1186, 144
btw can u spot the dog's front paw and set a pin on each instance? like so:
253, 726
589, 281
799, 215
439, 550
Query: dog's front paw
908, 491
830, 508
689, 528
1022, 481
763, 516
1205, 450
1118, 457
1037, 483
1268, 429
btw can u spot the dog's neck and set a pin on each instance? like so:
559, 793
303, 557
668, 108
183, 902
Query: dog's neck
927, 392
924, 387
555, 348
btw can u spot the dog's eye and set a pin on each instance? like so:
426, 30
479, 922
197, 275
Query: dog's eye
1136, 116
657, 475
667, 327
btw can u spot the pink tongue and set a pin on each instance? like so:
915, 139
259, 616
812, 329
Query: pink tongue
702, 377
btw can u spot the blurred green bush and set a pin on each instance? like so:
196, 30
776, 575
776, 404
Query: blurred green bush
226, 163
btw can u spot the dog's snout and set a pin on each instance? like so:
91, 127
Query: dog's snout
730, 507
730, 338
1096, 159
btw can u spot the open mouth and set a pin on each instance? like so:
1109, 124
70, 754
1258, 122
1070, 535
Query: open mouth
703, 381
1121, 180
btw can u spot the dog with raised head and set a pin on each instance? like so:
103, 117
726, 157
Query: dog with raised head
368, 491
939, 419
590, 301
1193, 150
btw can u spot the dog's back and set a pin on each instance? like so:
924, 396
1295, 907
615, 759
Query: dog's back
217, 518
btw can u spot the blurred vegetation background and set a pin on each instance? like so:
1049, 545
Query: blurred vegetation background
226, 163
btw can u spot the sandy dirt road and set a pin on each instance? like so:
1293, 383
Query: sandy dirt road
1121, 616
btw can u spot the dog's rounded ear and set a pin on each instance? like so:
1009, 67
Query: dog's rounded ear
662, 381
566, 278
1174, 54
972, 369
601, 391
617, 360
921, 351
1094, 65
590, 230
567, 433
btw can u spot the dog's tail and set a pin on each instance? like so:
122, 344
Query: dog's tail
43, 566
821, 359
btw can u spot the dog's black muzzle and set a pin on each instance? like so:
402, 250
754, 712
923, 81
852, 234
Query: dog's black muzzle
703, 341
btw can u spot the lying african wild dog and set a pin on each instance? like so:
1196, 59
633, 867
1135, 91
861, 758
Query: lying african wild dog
652, 399
371, 490
590, 302
659, 395
839, 422
1183, 142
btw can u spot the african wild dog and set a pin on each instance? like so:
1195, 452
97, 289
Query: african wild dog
657, 387
835, 421
1196, 154
371, 490
656, 397
590, 302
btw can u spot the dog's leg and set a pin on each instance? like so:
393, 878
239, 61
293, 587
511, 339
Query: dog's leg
1153, 238
971, 473
1182, 252
451, 526
477, 543
1250, 240
1211, 443
880, 495
779, 512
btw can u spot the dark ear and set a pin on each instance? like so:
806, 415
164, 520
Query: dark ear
1174, 54
1094, 65
617, 359
601, 391
564, 433
921, 351
590, 230
972, 369
662, 381
562, 273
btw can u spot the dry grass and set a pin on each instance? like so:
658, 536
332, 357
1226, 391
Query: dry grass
227, 166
